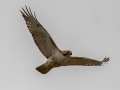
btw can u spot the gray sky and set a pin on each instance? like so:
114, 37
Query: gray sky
89, 28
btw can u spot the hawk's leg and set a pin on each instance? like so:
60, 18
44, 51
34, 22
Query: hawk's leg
54, 59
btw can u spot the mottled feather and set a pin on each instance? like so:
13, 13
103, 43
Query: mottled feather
84, 61
41, 37
48, 48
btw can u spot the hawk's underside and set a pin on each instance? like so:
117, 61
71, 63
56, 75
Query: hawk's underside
55, 57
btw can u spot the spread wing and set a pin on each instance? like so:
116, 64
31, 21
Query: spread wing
41, 37
84, 61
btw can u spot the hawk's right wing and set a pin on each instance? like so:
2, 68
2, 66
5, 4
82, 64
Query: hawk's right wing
41, 37
84, 61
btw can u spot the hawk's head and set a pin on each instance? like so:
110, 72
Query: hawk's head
66, 52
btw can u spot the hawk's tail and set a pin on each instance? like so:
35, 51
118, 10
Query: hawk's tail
44, 69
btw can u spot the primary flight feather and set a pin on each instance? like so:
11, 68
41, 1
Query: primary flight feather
55, 56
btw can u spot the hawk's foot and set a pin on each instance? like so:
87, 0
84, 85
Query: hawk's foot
55, 62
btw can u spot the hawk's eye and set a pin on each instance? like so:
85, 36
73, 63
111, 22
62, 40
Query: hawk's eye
67, 53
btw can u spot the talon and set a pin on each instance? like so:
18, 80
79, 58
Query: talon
55, 62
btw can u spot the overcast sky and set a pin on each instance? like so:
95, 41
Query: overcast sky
89, 28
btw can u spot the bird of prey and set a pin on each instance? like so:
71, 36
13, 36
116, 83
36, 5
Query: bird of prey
55, 56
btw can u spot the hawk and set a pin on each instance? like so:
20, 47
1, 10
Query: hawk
55, 56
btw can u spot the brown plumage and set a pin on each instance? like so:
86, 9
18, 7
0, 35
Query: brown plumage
83, 61
55, 57
44, 69
41, 37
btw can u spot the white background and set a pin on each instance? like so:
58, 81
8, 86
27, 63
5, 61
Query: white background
89, 28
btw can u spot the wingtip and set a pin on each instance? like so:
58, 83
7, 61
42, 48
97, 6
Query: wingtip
25, 5
106, 59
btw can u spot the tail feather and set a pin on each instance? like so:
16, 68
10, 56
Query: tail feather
44, 69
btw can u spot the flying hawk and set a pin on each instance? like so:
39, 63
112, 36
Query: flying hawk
55, 56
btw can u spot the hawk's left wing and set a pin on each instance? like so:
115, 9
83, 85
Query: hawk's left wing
40, 35
84, 61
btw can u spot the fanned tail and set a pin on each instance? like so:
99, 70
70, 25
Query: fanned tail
44, 69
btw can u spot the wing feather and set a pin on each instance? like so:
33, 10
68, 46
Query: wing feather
84, 61
41, 37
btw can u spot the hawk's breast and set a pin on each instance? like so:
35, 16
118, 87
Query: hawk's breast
59, 57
